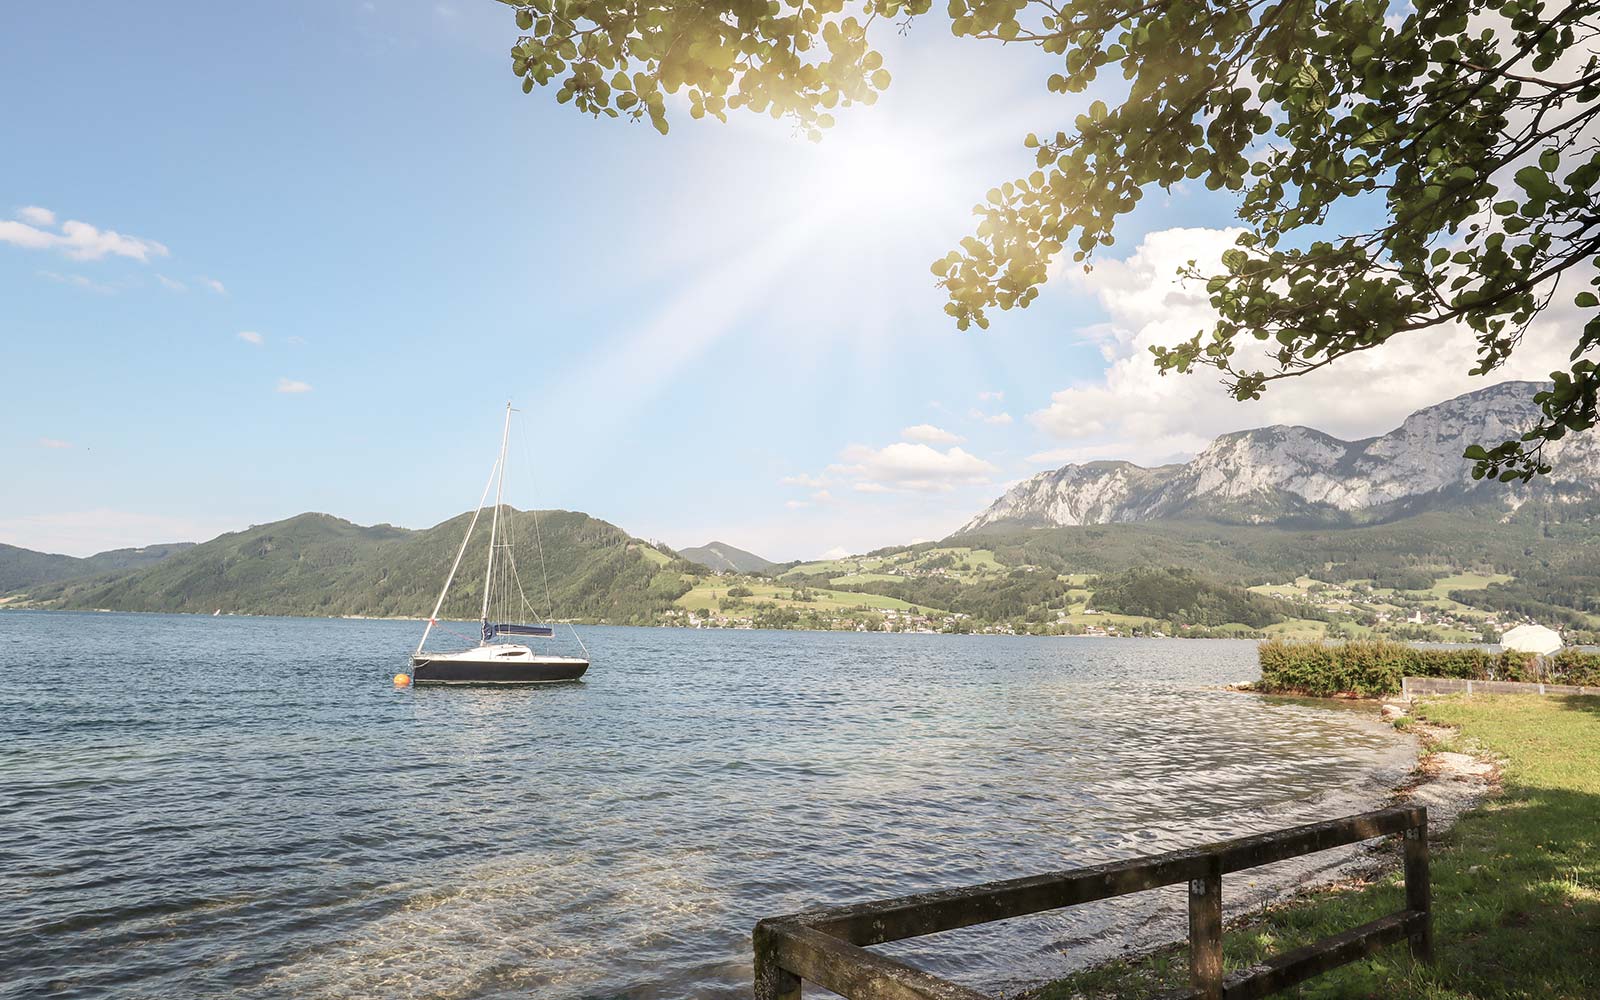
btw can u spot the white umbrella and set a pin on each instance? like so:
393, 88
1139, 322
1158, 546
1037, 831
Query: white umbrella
1532, 639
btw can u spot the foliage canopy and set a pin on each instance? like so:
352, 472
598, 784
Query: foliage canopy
1471, 122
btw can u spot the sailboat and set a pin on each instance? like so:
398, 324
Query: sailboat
494, 660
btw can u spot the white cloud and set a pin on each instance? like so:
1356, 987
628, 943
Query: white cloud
77, 281
54, 443
836, 553
77, 240
809, 482
1133, 412
929, 434
1076, 456
795, 504
989, 418
822, 496
987, 395
252, 337
214, 285
905, 466
172, 283
292, 386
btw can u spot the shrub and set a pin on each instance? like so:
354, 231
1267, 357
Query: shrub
1571, 666
1374, 668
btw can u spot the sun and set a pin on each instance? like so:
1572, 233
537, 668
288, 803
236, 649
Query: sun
879, 172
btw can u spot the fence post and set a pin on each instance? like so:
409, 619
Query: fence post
1419, 891
772, 980
1205, 932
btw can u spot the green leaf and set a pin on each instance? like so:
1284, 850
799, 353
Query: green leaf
1534, 181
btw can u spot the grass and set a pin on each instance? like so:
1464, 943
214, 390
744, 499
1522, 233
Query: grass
1466, 581
701, 598
651, 553
1300, 588
1104, 618
980, 563
1516, 883
1297, 628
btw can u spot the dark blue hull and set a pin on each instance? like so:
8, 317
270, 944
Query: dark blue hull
537, 670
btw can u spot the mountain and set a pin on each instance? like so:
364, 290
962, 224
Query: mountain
317, 564
722, 557
26, 568
1297, 475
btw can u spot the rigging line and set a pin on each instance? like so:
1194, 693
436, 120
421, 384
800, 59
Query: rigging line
544, 571
494, 524
511, 563
433, 618
446, 628
549, 599
522, 596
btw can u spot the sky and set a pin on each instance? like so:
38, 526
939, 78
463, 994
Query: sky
250, 269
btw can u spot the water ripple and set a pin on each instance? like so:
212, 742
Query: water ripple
243, 807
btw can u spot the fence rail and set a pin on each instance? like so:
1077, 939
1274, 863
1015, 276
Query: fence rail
828, 947
1411, 687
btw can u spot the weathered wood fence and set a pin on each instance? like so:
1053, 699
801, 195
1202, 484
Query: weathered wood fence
829, 947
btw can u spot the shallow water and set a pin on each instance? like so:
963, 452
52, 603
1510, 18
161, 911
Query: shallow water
245, 806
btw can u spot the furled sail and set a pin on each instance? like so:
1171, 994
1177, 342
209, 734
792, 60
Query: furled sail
490, 630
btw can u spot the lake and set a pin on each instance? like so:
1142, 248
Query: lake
246, 807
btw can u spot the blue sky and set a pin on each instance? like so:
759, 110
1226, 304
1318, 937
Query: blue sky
317, 250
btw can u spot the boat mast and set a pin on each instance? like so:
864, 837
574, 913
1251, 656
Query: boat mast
433, 619
494, 525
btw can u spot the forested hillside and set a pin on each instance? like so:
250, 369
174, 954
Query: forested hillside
1458, 575
21, 567
316, 564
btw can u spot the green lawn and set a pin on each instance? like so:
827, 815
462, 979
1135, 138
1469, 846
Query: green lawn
701, 598
1466, 581
651, 553
1104, 619
867, 578
1297, 590
836, 567
1297, 628
1516, 884
980, 563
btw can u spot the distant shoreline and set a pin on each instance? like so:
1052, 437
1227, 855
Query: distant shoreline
682, 628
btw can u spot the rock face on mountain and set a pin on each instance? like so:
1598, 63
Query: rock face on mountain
1296, 474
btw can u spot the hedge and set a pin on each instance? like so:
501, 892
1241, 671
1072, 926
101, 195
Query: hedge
1374, 668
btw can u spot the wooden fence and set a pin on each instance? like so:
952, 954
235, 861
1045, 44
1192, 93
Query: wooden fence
829, 947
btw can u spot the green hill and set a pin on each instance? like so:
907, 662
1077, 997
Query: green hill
317, 564
1189, 597
21, 567
1457, 575
724, 558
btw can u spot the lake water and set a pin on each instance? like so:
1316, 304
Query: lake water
245, 807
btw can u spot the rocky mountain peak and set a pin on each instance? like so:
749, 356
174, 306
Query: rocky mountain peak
1283, 473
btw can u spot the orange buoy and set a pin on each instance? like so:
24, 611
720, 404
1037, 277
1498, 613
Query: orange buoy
401, 680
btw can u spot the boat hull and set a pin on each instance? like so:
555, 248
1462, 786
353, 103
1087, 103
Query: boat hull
520, 670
